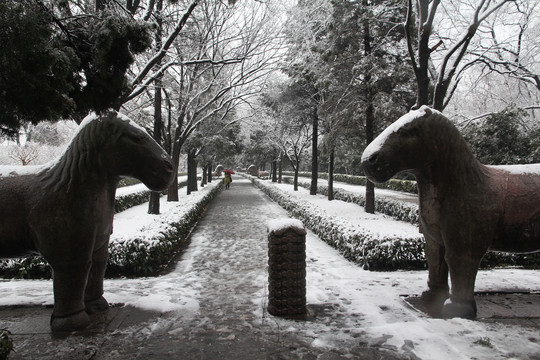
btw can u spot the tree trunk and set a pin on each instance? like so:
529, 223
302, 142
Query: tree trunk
314, 153
203, 180
370, 117
370, 187
296, 175
173, 193
192, 172
189, 172
280, 171
153, 204
209, 173
274, 171
331, 172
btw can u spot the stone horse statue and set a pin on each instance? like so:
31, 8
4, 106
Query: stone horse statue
466, 208
64, 210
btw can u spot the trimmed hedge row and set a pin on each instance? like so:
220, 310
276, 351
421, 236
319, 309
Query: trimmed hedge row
140, 256
399, 210
147, 255
392, 184
385, 254
127, 201
354, 242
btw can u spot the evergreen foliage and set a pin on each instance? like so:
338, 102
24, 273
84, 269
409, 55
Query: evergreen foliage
52, 68
105, 47
501, 139
6, 343
36, 68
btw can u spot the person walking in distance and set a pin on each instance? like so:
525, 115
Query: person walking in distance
227, 180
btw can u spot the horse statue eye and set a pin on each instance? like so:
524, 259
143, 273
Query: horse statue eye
408, 131
134, 138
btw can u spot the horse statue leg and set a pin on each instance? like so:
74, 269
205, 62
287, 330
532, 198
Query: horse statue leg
93, 296
438, 290
463, 260
69, 282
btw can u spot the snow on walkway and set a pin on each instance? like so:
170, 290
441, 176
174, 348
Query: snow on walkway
213, 304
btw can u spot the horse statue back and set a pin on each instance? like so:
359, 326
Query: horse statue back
466, 208
64, 210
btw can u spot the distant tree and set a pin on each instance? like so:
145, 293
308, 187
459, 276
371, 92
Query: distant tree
500, 139
212, 68
259, 149
289, 123
505, 66
305, 28
24, 154
437, 81
363, 55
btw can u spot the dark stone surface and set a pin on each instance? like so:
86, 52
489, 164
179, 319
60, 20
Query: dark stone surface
466, 208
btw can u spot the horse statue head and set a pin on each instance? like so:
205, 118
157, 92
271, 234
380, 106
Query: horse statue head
111, 146
415, 142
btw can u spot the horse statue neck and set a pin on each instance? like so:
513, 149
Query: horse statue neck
451, 161
81, 162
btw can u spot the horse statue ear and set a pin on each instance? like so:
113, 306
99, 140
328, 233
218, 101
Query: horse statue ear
426, 110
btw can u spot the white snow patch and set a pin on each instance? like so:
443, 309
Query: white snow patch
533, 169
284, 223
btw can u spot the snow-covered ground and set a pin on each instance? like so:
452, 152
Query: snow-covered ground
369, 303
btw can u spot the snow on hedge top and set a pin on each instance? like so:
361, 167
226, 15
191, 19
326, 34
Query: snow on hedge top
377, 144
519, 169
281, 224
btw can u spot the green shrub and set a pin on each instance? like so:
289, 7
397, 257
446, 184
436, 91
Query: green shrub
375, 253
399, 210
131, 257
148, 256
392, 184
353, 242
6, 343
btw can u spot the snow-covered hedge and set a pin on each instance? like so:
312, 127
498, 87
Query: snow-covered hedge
354, 242
373, 252
399, 210
139, 195
392, 184
144, 252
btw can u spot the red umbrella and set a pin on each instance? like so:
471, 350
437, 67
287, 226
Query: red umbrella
228, 171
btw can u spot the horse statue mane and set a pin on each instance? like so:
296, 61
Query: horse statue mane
79, 159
